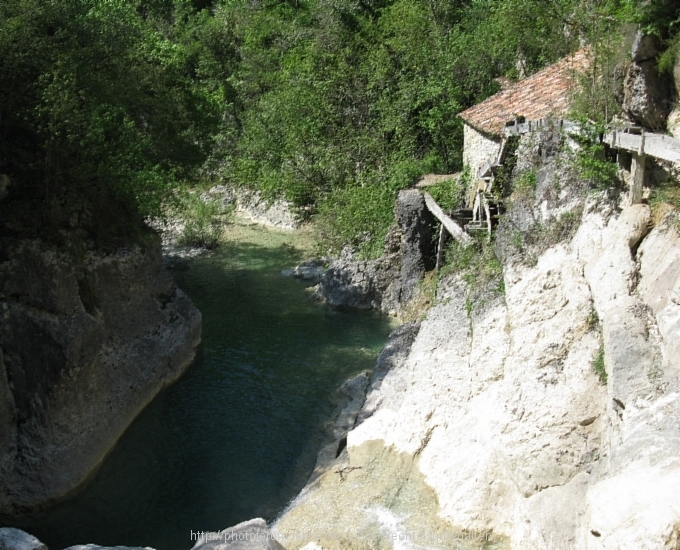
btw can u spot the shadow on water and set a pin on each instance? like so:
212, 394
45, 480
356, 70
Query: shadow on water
236, 437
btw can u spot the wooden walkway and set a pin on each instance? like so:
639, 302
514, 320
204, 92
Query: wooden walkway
635, 141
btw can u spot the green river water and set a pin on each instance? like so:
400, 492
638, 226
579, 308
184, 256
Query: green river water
237, 435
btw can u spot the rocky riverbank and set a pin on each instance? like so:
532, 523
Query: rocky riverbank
248, 205
386, 283
496, 416
92, 327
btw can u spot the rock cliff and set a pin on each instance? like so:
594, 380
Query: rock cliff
495, 422
87, 339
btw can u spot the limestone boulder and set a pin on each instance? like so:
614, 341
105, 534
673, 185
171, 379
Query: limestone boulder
248, 535
645, 47
674, 118
250, 203
16, 539
673, 124
647, 95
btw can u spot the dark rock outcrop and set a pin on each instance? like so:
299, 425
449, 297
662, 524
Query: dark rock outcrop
389, 282
364, 284
647, 93
417, 246
645, 47
87, 339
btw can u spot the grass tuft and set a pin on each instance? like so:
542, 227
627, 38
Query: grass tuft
598, 365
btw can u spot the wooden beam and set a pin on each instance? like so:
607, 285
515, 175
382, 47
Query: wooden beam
487, 211
451, 226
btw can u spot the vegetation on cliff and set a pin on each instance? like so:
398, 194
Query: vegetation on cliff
333, 104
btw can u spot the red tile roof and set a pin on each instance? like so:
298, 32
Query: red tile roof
544, 94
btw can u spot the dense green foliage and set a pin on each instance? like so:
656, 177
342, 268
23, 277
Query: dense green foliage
346, 102
334, 104
104, 95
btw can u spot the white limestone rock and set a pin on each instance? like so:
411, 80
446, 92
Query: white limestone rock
505, 419
16, 539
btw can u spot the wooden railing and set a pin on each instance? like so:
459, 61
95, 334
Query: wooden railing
519, 127
637, 142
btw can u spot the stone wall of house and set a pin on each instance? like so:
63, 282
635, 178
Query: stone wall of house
478, 149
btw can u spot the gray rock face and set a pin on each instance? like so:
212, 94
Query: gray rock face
274, 213
647, 95
310, 270
530, 224
393, 355
417, 246
87, 341
674, 117
363, 284
16, 539
645, 47
249, 535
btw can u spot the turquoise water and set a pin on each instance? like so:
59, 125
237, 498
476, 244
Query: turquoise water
236, 437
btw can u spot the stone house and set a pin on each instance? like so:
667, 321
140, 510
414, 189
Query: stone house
544, 94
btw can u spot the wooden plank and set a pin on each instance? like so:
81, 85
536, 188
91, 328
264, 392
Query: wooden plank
487, 211
452, 227
653, 145
663, 147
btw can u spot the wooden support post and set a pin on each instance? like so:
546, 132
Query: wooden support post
487, 212
440, 247
637, 175
637, 178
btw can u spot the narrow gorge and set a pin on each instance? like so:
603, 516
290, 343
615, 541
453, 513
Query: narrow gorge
340, 275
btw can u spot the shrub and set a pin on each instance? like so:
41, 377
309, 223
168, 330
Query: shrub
591, 160
360, 214
203, 221
477, 264
593, 319
525, 185
450, 193
598, 365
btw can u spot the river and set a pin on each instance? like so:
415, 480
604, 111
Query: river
236, 436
